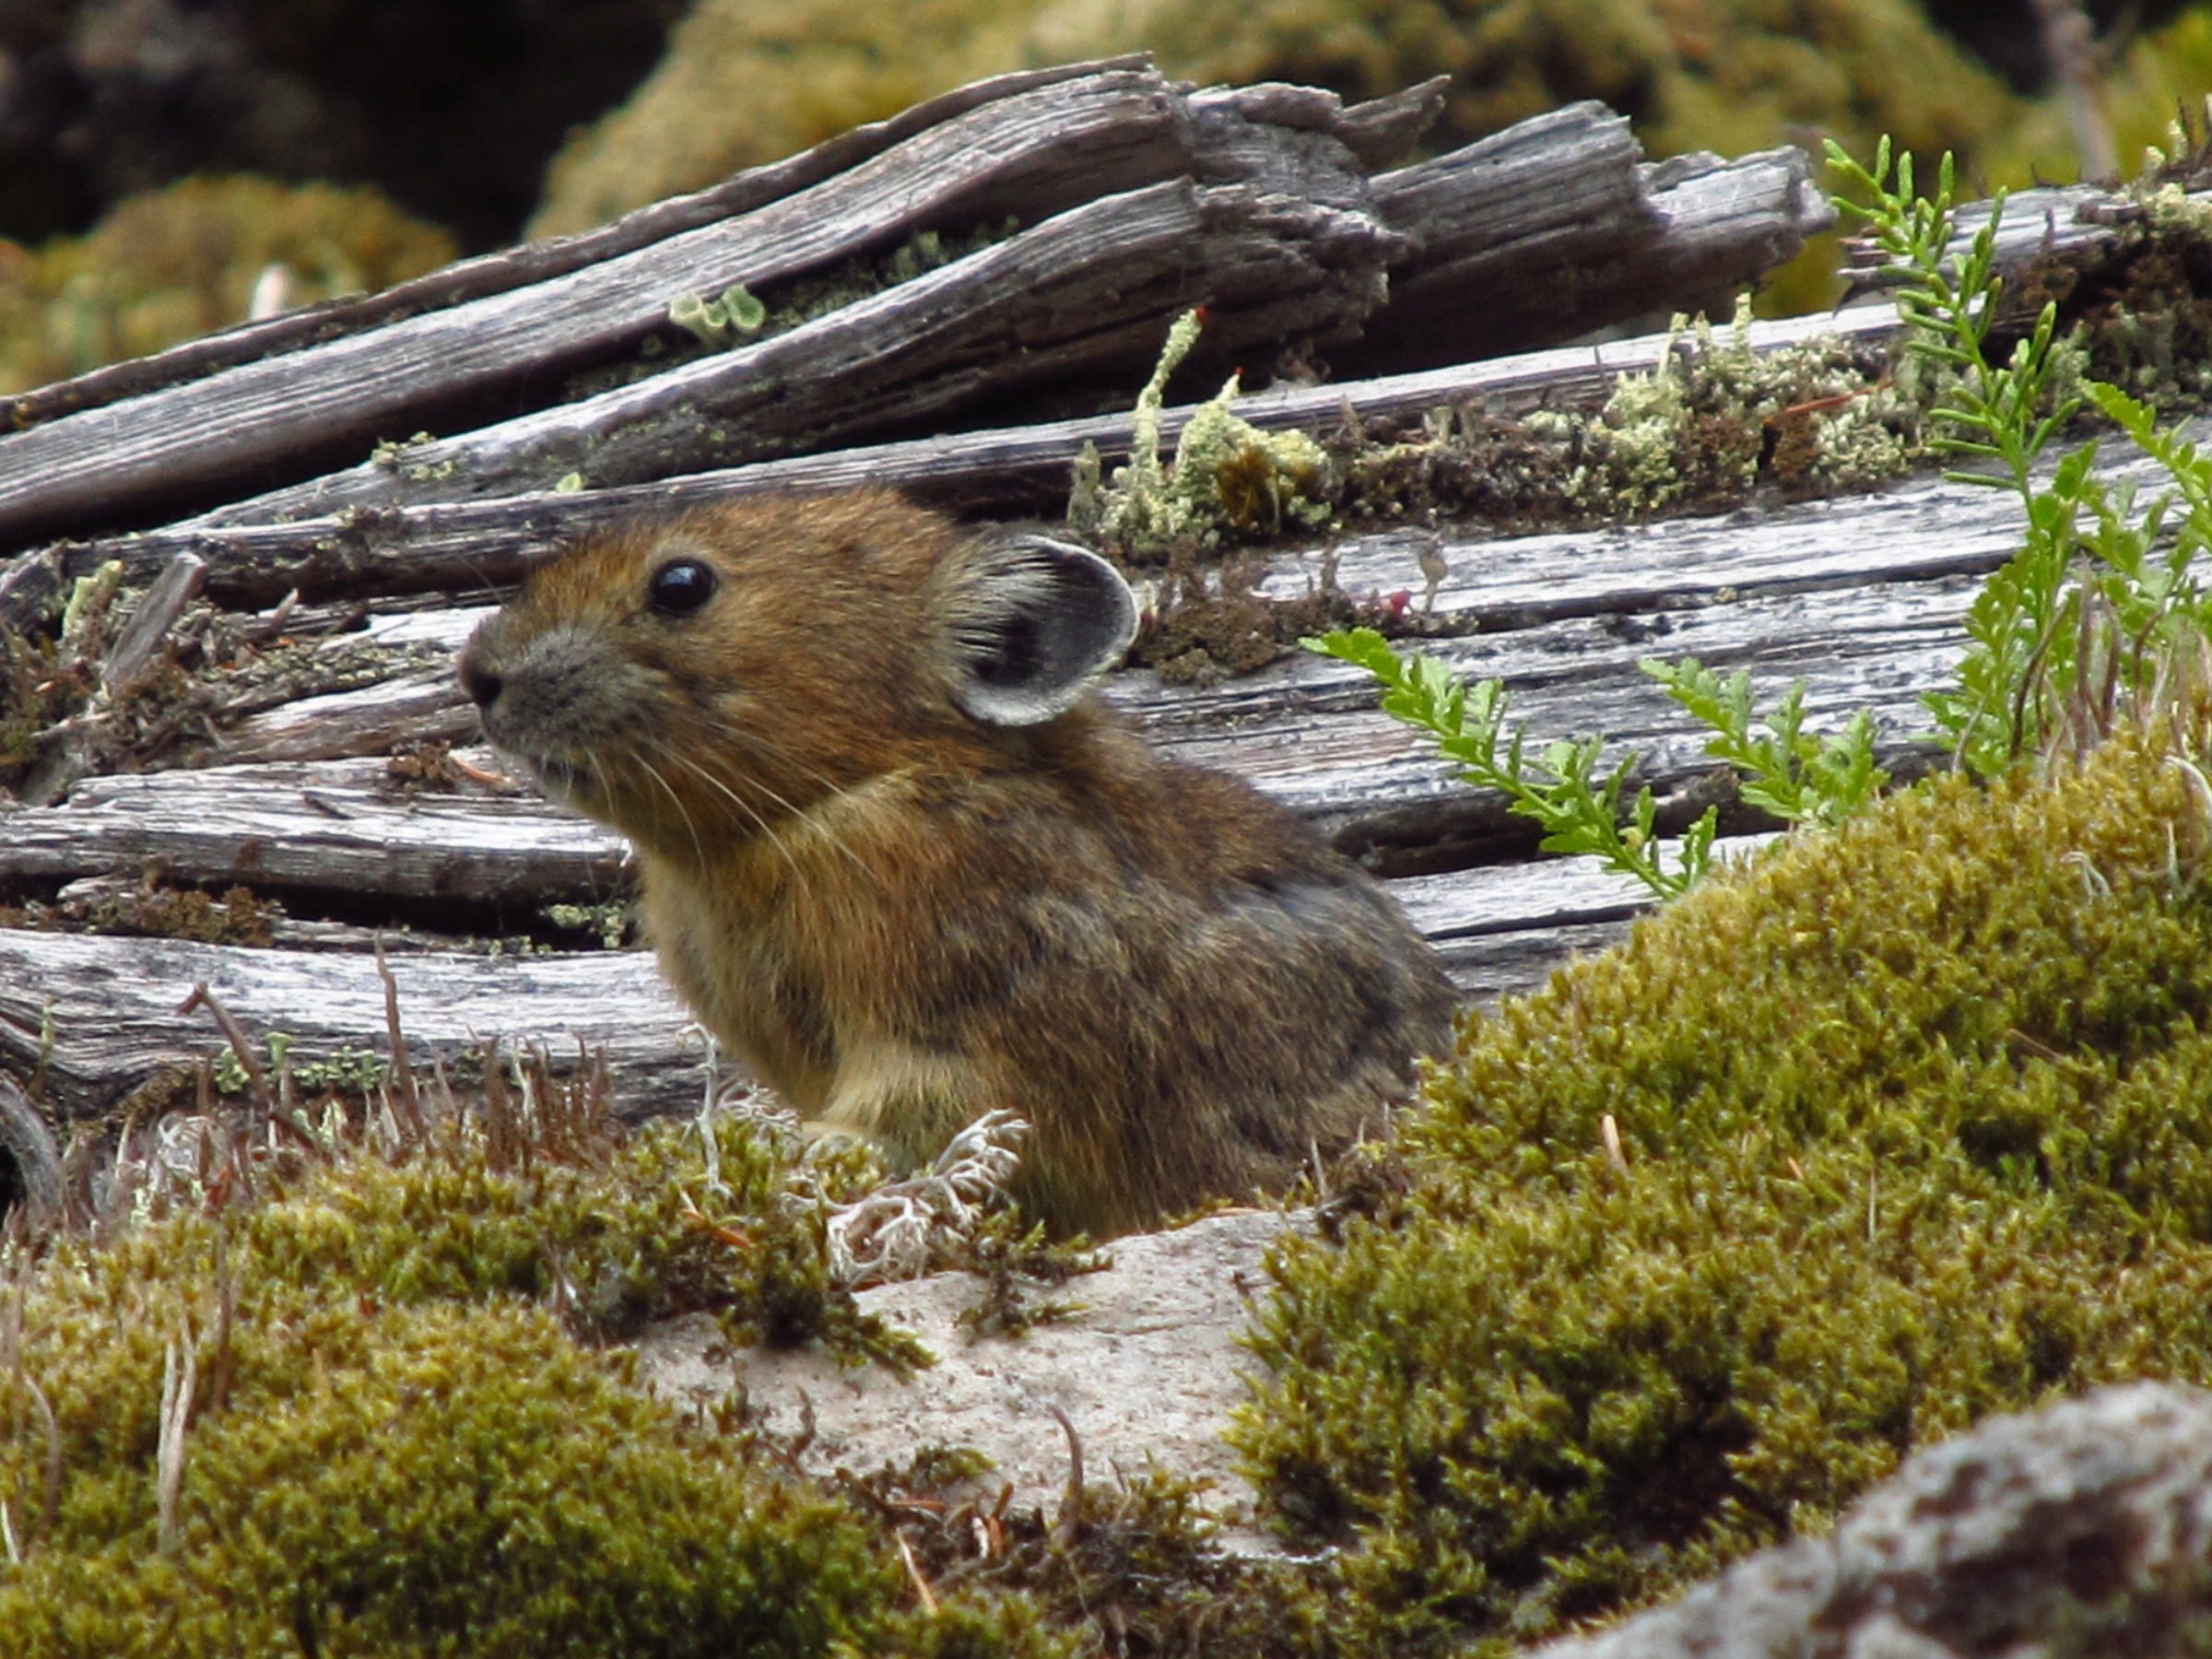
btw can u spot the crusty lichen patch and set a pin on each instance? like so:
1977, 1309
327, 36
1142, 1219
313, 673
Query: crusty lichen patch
1917, 1126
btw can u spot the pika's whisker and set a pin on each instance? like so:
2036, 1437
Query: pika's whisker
682, 811
759, 819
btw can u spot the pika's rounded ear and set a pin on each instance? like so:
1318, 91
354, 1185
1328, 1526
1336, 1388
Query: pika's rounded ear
1030, 622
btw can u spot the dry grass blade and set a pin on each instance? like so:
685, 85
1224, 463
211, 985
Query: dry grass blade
402, 1071
178, 1380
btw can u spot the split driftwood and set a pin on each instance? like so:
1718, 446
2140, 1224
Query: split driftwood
1135, 198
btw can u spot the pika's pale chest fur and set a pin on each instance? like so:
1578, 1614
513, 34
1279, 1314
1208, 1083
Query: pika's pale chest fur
904, 865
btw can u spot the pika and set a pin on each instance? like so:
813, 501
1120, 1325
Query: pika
901, 860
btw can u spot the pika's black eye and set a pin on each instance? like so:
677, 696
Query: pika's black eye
680, 587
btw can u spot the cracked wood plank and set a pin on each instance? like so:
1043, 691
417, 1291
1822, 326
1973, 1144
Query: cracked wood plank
1574, 206
469, 550
1077, 295
1035, 152
95, 1018
1518, 245
509, 268
1860, 597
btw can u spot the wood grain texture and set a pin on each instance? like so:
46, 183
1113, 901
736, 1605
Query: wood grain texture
1543, 233
1861, 597
1033, 153
1082, 292
1557, 225
471, 549
96, 1018
108, 1010
509, 268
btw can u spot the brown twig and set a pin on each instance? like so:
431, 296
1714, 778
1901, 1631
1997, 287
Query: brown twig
1070, 1524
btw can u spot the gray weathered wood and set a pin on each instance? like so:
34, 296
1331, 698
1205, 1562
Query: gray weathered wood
1558, 226
423, 704
1860, 597
1484, 239
1080, 292
509, 268
35, 1164
338, 826
95, 1018
1035, 153
135, 651
470, 549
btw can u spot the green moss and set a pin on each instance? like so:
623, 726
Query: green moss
397, 1445
397, 1442
400, 1480
1918, 1125
184, 261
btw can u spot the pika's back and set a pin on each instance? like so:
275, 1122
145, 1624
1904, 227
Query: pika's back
904, 865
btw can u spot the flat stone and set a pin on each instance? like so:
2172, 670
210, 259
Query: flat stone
1149, 1369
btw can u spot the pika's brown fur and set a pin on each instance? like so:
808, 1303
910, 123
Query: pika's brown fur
903, 862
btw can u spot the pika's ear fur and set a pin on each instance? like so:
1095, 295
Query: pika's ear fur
1028, 623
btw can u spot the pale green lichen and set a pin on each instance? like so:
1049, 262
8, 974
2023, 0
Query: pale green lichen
609, 923
1226, 475
1705, 421
733, 315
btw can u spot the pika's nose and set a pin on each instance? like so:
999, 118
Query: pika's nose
481, 684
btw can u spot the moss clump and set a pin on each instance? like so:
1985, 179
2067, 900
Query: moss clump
1918, 1125
237, 916
400, 1480
383, 1436
176, 263
397, 1445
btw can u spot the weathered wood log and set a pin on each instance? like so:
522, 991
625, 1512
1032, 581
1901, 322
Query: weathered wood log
423, 705
511, 268
1862, 596
208, 419
1079, 293
1034, 153
95, 1018
339, 827
135, 650
1558, 226
469, 550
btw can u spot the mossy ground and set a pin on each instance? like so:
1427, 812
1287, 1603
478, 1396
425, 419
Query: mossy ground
1917, 1126
1917, 1121
385, 1382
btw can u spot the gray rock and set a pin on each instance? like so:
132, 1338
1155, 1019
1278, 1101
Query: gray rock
2082, 1531
1149, 1369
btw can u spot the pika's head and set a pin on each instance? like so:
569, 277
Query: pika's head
721, 670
